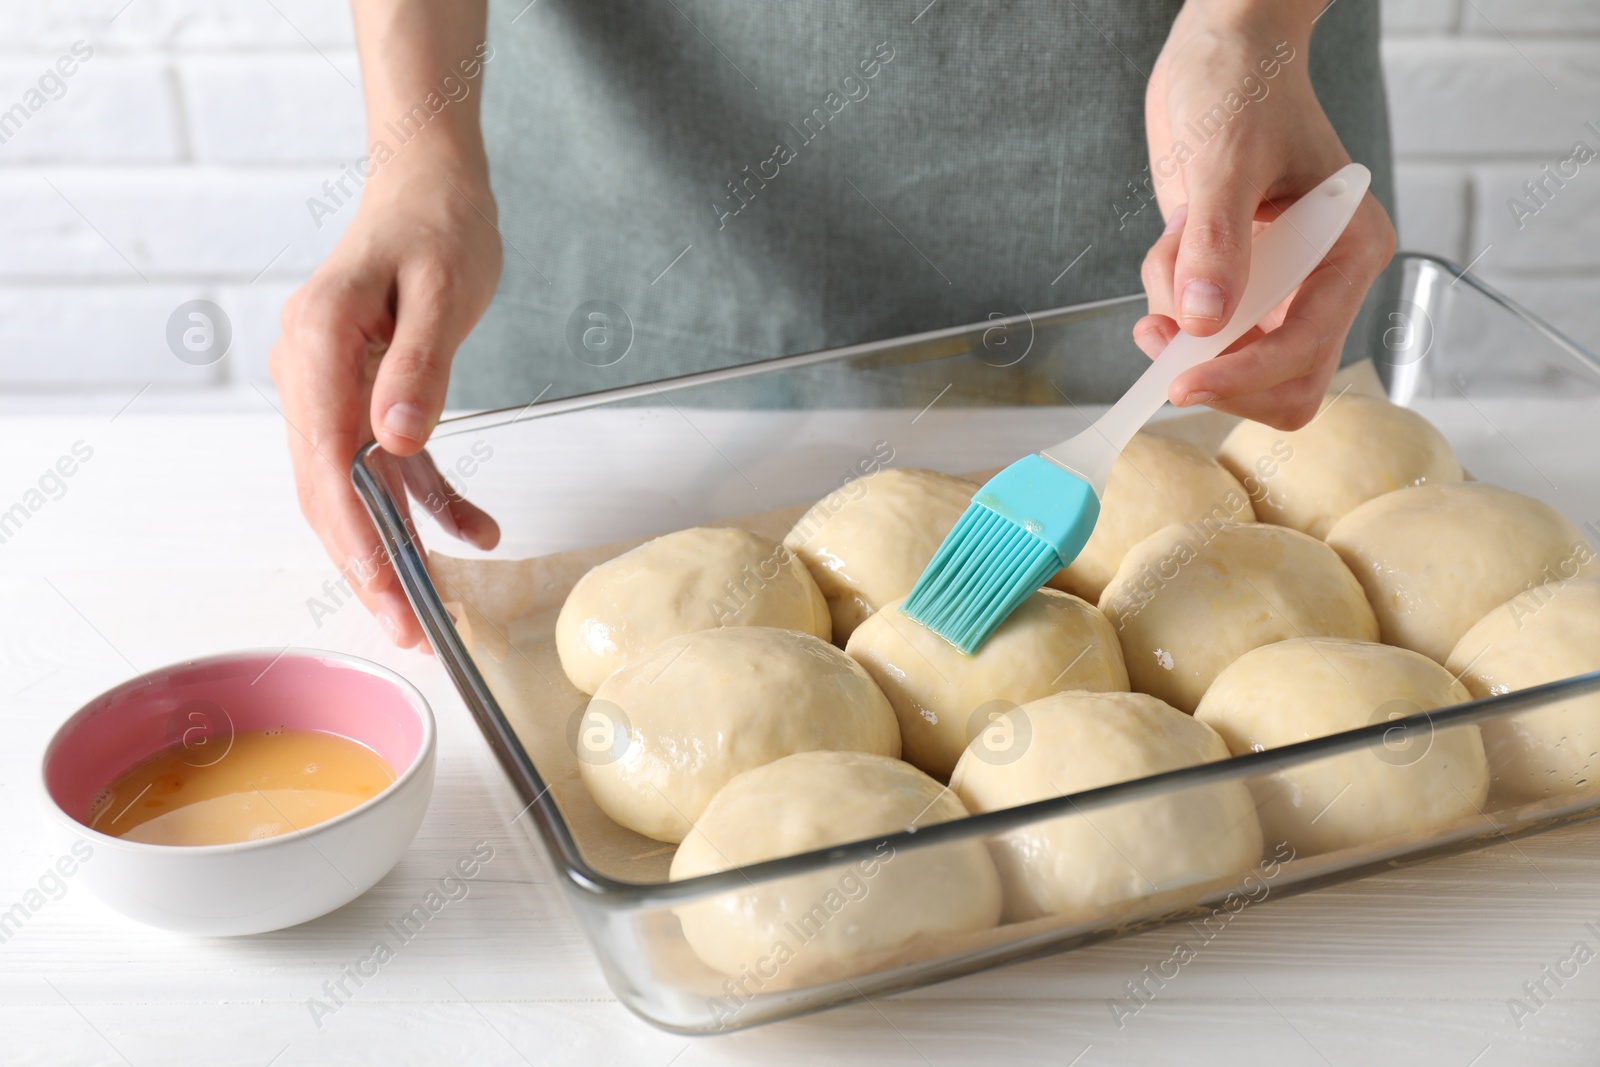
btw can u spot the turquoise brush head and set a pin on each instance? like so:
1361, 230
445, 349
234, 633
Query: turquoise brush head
1026, 523
1034, 517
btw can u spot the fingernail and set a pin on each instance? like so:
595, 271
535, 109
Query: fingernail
358, 569
390, 627
1150, 341
1202, 300
1175, 223
406, 420
1198, 397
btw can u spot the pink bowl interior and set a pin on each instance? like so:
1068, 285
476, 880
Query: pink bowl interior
204, 703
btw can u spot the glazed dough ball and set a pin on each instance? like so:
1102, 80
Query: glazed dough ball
1437, 558
1187, 602
867, 543
1357, 447
695, 579
1051, 643
1156, 482
1420, 779
1543, 635
705, 706
842, 920
1083, 864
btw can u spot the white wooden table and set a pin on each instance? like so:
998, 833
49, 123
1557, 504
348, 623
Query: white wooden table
180, 537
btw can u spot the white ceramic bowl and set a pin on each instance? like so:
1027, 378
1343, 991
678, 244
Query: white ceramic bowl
252, 886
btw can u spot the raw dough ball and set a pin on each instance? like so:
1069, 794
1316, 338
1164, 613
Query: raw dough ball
1082, 864
843, 920
1156, 482
1052, 642
1357, 447
867, 543
1420, 779
1186, 605
700, 708
1543, 635
695, 579
1437, 558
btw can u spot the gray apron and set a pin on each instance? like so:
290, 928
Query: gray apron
689, 184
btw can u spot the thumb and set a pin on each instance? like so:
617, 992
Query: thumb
1213, 260
408, 393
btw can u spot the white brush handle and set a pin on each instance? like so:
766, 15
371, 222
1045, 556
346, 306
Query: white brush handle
1281, 256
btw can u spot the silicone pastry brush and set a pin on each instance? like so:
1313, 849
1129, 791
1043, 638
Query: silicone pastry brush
1033, 518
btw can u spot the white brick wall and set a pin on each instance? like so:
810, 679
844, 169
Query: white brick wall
177, 163
1483, 95
175, 166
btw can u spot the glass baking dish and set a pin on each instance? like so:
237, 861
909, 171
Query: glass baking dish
565, 474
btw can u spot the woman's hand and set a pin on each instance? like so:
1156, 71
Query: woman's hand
1236, 134
366, 350
368, 342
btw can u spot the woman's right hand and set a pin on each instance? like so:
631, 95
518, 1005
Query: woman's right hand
366, 350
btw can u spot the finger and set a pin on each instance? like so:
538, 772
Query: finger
408, 394
356, 549
319, 367
1309, 337
390, 605
458, 516
1286, 406
395, 612
1156, 270
1160, 263
429, 489
393, 476
1153, 334
1213, 257
1277, 376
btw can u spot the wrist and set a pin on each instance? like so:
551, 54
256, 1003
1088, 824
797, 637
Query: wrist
1289, 20
423, 67
403, 146
429, 128
426, 188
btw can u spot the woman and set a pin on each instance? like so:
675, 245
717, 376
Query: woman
728, 180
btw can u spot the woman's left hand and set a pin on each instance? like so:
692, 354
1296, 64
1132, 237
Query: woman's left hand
1236, 134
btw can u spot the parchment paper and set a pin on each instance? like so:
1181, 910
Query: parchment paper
506, 612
